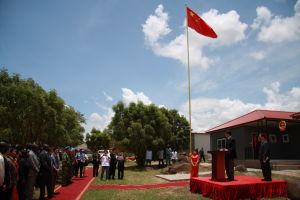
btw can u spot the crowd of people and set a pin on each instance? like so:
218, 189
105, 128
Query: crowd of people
109, 161
24, 168
164, 157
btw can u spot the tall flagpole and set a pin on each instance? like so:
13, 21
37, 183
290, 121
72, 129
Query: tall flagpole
189, 78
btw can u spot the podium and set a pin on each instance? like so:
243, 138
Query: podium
218, 165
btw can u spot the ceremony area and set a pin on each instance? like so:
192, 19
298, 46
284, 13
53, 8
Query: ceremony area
136, 186
149, 100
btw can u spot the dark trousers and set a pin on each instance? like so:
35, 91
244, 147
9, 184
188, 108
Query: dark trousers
29, 186
266, 169
168, 161
120, 172
45, 181
148, 163
54, 178
6, 194
229, 167
161, 163
106, 169
21, 190
112, 171
95, 170
202, 157
79, 167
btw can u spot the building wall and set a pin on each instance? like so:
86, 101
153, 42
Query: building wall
202, 140
241, 140
279, 150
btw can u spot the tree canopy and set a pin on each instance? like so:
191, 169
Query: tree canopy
138, 127
97, 140
30, 114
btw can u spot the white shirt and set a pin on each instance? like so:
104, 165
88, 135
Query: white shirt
2, 170
174, 155
148, 155
105, 161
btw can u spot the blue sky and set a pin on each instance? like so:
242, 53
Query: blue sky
97, 52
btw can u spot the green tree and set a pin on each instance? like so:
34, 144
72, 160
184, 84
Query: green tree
97, 140
138, 127
179, 130
30, 114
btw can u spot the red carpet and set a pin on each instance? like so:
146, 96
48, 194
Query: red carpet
243, 187
129, 187
77, 188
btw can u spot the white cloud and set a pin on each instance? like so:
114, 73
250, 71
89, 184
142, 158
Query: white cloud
264, 16
129, 96
98, 121
156, 26
276, 101
208, 112
108, 98
276, 29
228, 27
259, 55
95, 117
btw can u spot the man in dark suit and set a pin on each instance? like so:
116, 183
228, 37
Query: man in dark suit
112, 164
96, 162
45, 175
230, 156
264, 157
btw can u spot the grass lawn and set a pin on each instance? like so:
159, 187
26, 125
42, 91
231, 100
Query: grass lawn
135, 176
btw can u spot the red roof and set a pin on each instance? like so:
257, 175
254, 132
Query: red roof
254, 116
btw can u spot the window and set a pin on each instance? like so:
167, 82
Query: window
285, 138
272, 138
221, 143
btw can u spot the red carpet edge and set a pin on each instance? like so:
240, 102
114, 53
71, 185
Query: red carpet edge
149, 186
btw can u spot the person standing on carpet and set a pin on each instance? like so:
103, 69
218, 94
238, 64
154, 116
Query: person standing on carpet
86, 163
46, 173
13, 173
5, 191
96, 163
34, 168
80, 157
230, 156
23, 174
264, 157
194, 164
74, 164
105, 165
55, 167
121, 162
66, 167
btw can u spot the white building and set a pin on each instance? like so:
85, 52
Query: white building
201, 140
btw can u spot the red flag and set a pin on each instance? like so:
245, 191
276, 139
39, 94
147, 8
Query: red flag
199, 25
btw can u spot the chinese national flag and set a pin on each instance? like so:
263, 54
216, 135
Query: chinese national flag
199, 25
